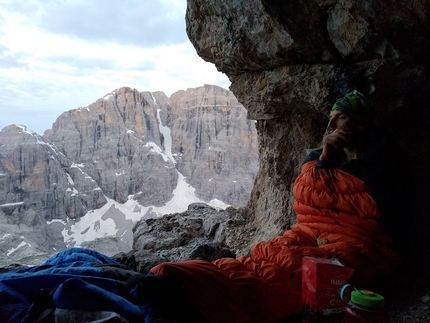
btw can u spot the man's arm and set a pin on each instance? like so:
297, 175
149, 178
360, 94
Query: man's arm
315, 155
329, 155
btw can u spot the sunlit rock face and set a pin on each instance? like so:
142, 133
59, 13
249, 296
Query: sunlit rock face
39, 183
290, 60
126, 156
120, 143
214, 144
117, 142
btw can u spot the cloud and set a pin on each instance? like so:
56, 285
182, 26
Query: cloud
57, 55
10, 61
159, 22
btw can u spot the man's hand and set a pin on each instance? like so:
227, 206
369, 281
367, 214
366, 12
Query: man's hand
333, 144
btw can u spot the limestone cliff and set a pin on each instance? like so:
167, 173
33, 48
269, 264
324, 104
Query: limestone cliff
115, 141
39, 183
215, 144
288, 61
126, 155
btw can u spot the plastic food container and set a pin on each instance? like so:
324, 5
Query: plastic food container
363, 306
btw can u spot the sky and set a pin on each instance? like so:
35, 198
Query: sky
58, 55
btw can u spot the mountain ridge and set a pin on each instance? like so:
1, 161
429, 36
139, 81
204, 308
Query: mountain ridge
138, 154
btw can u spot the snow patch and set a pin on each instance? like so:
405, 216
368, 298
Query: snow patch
183, 195
85, 107
70, 180
99, 224
25, 130
38, 138
22, 244
77, 165
153, 98
156, 149
11, 204
89, 228
108, 96
5, 236
218, 204
165, 131
73, 190
56, 221
116, 220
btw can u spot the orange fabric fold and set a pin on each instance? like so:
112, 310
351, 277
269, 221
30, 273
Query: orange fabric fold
266, 286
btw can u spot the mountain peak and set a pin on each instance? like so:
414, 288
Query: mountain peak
135, 154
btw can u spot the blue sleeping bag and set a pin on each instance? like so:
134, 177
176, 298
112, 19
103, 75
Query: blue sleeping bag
80, 282
74, 279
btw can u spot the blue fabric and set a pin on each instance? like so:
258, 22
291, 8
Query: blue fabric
76, 279
70, 294
79, 254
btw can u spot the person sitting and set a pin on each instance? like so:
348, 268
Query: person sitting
349, 198
356, 145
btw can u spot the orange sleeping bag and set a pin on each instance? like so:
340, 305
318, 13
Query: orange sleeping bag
337, 217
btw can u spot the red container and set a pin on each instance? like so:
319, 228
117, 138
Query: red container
364, 307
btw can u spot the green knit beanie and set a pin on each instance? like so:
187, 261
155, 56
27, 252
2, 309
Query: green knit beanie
355, 105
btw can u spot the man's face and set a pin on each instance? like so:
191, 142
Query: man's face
340, 121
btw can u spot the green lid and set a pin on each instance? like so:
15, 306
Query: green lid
367, 298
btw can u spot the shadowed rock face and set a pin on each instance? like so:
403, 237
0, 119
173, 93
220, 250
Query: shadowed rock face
201, 232
288, 61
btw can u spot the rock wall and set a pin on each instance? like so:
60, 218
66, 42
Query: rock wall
129, 146
288, 61
215, 144
114, 140
39, 183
